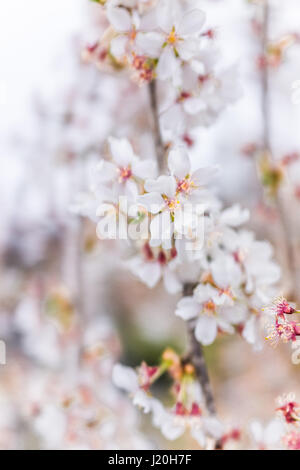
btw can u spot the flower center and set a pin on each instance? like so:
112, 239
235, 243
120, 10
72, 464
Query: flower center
172, 38
125, 173
210, 306
171, 203
184, 186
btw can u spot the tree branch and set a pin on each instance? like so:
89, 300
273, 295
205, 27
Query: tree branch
159, 146
196, 355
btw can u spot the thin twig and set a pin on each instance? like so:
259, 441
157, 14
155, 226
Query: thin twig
159, 146
197, 358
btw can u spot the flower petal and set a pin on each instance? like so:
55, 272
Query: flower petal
118, 46
144, 168
203, 176
119, 18
167, 64
163, 185
125, 378
149, 44
153, 202
187, 49
192, 22
206, 330
234, 216
179, 163
121, 151
105, 172
171, 281
187, 308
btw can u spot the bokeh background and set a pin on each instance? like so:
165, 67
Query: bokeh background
61, 289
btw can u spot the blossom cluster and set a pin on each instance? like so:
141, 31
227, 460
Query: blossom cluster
178, 230
168, 41
282, 432
289, 410
187, 411
233, 274
282, 328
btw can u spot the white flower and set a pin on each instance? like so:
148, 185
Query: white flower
126, 24
268, 437
201, 97
127, 379
155, 264
190, 184
174, 426
171, 199
212, 309
124, 171
177, 42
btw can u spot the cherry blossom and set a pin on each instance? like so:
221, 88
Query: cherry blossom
176, 39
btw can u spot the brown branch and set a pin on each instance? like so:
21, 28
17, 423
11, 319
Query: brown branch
159, 146
196, 355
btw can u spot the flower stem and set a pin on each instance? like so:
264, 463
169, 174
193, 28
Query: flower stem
159, 146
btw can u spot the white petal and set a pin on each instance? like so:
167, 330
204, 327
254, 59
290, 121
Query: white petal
234, 216
206, 330
161, 227
198, 434
142, 400
125, 378
187, 49
250, 332
163, 185
179, 163
205, 175
187, 308
118, 46
257, 431
149, 273
192, 22
204, 293
149, 44
171, 281
274, 432
165, 15
174, 119
144, 168
225, 326
213, 427
194, 105
121, 151
119, 18
153, 202
105, 172
167, 64
172, 430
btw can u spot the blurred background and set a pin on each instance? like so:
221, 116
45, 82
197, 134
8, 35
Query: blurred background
67, 310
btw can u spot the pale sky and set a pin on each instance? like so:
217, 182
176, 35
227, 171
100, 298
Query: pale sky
32, 33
